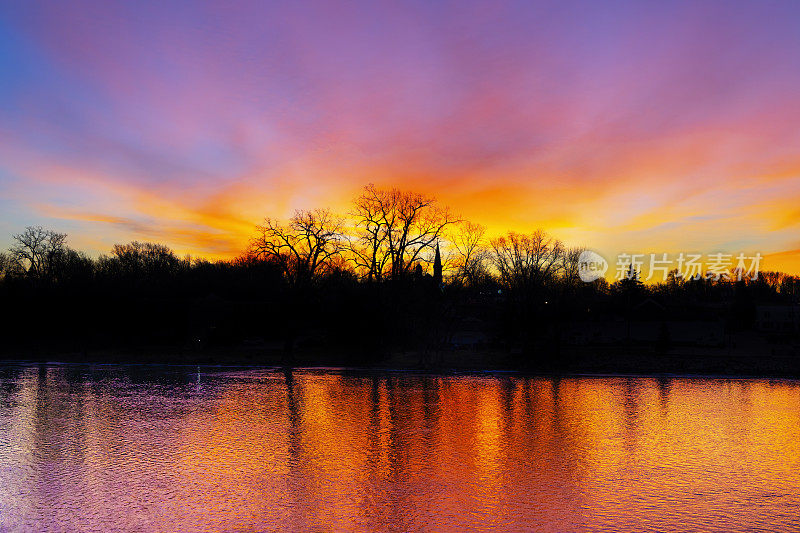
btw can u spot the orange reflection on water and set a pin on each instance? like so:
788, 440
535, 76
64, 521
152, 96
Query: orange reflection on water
262, 450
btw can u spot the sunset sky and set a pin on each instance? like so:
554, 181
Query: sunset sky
631, 126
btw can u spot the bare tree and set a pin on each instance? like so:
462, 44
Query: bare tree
527, 261
304, 248
395, 230
5, 264
146, 258
368, 248
37, 251
469, 253
570, 266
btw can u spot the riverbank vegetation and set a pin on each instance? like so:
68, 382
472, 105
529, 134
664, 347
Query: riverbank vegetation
397, 274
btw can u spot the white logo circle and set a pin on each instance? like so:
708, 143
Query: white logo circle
591, 266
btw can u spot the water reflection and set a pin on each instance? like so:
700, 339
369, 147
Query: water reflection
94, 448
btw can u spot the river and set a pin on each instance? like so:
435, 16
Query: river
161, 448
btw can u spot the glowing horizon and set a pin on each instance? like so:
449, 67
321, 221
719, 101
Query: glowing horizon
627, 127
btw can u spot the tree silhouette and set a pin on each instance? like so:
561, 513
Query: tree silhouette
5, 264
358, 285
570, 267
470, 253
395, 230
631, 282
527, 261
307, 246
37, 251
145, 259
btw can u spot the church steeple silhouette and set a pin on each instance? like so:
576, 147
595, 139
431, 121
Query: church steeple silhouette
437, 266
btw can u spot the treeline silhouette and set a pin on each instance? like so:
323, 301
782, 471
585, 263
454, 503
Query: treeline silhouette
398, 273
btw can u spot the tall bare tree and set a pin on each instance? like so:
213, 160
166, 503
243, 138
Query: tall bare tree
395, 230
308, 245
368, 248
37, 251
570, 266
527, 261
469, 253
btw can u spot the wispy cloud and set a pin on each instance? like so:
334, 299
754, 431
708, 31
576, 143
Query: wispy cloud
627, 125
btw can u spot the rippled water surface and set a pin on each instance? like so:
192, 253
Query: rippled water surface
176, 448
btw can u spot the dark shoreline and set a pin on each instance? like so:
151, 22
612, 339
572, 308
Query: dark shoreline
586, 361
